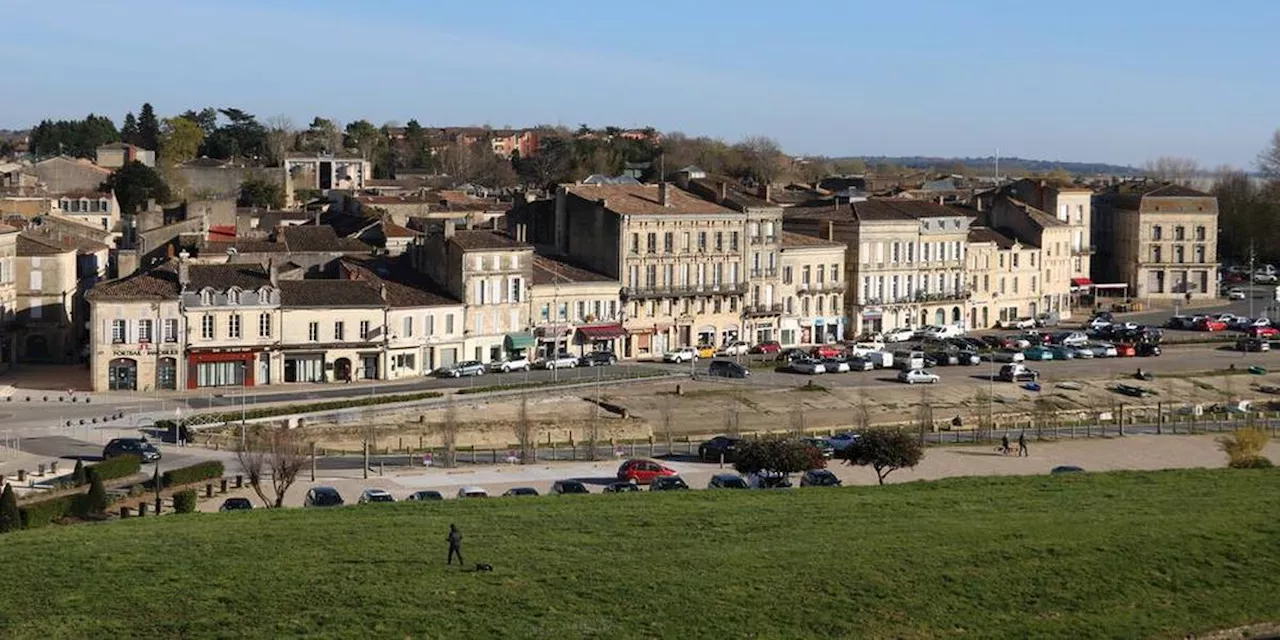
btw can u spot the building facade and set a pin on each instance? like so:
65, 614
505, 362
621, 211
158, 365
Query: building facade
811, 292
137, 332
1005, 278
574, 309
1071, 204
47, 289
8, 295
1158, 239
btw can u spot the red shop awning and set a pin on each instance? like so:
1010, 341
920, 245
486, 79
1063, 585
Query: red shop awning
602, 331
1081, 282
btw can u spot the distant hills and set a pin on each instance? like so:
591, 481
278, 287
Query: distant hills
987, 165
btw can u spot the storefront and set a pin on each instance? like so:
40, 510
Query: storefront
304, 367
221, 369
599, 337
122, 374
517, 344
552, 339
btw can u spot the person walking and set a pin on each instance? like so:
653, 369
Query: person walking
1004, 445
455, 544
1022, 445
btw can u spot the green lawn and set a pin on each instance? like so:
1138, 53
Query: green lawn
1123, 555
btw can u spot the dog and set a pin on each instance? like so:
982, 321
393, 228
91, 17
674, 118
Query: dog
480, 566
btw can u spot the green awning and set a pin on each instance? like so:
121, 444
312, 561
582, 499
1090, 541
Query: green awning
516, 341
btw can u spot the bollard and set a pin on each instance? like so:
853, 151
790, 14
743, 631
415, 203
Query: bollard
41, 468
142, 509
158, 505
239, 481
124, 512
53, 467
222, 487
22, 475
208, 490
379, 468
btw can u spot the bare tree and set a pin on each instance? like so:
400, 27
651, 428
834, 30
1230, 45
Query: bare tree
280, 137
731, 425
1173, 169
526, 432
1269, 159
862, 414
274, 452
667, 424
762, 158
798, 420
924, 412
593, 432
449, 433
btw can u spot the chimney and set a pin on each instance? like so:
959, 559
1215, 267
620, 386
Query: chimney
722, 192
662, 194
184, 271
449, 228
831, 230
382, 291
273, 272
316, 218
764, 192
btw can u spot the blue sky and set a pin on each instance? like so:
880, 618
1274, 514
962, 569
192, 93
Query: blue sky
1121, 81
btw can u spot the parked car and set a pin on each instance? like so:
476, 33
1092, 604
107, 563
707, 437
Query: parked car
791, 355
1265, 278
1235, 293
562, 360
1038, 353
598, 358
727, 369
727, 481
859, 363
621, 487
706, 350
1211, 324
1103, 349
1060, 352
1018, 373
519, 491
644, 471
425, 496
823, 445
835, 365
1148, 350
374, 494
819, 478
1126, 350
1097, 323
969, 358
1020, 323
736, 348
668, 483
768, 480
137, 447
899, 335
460, 369
808, 366
768, 346
683, 354
824, 351
236, 504
942, 332
1083, 353
566, 487
713, 449
322, 497
1072, 338
472, 492
518, 363
1252, 344
941, 359
917, 376
1262, 332
1007, 355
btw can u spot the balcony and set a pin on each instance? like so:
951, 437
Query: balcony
758, 310
677, 291
764, 273
1084, 251
943, 296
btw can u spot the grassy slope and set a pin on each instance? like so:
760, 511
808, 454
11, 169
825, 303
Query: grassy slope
1106, 555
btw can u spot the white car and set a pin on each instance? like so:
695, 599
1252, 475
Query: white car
836, 365
1236, 293
1082, 353
1098, 323
1074, 339
918, 376
1008, 355
899, 335
472, 492
683, 354
943, 332
1103, 349
808, 366
520, 363
1020, 323
1265, 278
563, 360
738, 348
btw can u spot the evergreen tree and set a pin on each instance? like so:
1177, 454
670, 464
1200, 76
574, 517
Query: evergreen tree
10, 517
134, 184
129, 130
78, 474
97, 498
148, 128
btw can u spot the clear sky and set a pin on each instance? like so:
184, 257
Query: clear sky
1118, 81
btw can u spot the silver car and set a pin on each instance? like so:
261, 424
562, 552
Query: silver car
918, 376
468, 368
808, 366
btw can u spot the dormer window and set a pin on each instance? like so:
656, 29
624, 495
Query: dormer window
264, 295
233, 295
206, 296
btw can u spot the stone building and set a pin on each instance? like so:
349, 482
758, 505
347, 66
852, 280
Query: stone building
1158, 239
8, 295
811, 292
46, 318
574, 309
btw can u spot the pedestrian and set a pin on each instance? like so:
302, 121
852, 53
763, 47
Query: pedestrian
455, 544
1004, 445
1022, 445
957, 421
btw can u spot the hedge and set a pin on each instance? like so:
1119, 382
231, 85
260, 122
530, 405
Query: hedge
38, 514
184, 501
536, 385
118, 467
271, 412
193, 473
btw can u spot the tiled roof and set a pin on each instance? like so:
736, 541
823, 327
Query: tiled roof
548, 270
839, 212
987, 234
319, 238
5, 228
216, 247
31, 243
405, 287
392, 200
643, 199
393, 230
881, 209
160, 283
792, 240
329, 293
1037, 216
83, 195
485, 240
224, 276
1174, 191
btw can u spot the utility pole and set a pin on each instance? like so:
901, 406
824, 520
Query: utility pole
1252, 276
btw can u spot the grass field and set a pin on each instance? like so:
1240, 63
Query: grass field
1122, 555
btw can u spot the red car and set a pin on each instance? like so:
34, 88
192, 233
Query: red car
1209, 324
642, 471
772, 346
826, 351
1126, 350
1262, 332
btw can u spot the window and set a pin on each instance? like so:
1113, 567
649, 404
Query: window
1157, 233
702, 241
1033, 284
339, 331
119, 329
668, 242
144, 331
804, 306
404, 361
822, 273
1015, 261
562, 313
313, 332
448, 323
581, 309
897, 248
407, 329
233, 326
37, 278
206, 327
786, 275
1178, 253
264, 325
804, 274
233, 296
1015, 284
1033, 259
1200, 253
668, 274
684, 244
1200, 234
364, 329
719, 241
1001, 284
733, 240
1155, 253
835, 273
635, 243
1179, 233
171, 330
652, 242
651, 275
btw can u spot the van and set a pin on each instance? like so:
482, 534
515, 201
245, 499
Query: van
909, 359
881, 359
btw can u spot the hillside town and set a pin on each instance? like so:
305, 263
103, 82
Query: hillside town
338, 275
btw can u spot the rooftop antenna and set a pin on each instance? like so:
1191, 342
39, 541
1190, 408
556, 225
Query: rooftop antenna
662, 166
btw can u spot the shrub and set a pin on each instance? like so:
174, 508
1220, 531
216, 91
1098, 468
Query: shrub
194, 473
271, 412
885, 451
1244, 445
38, 514
78, 476
10, 517
184, 501
1256, 462
777, 455
96, 500
119, 467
